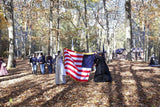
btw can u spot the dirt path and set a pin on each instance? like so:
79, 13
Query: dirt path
134, 84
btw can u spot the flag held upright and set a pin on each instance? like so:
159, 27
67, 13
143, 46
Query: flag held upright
78, 65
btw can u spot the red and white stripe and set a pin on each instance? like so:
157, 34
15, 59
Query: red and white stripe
73, 65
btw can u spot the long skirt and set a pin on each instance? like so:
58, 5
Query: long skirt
3, 70
60, 75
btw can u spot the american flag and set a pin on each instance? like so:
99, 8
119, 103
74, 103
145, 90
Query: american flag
78, 65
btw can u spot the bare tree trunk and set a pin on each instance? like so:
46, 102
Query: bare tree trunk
1, 32
30, 41
128, 27
22, 36
114, 44
58, 20
10, 17
11, 45
144, 33
100, 40
30, 29
147, 47
50, 44
159, 51
107, 30
55, 46
85, 7
17, 47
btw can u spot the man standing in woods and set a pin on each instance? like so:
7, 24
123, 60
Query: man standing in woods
42, 63
33, 62
49, 63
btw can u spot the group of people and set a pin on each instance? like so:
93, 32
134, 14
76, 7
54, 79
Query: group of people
36, 60
3, 70
40, 60
102, 73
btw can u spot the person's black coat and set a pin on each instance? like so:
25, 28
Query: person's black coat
102, 73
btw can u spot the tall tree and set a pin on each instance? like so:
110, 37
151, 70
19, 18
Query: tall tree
85, 21
58, 22
128, 24
10, 17
107, 22
0, 35
29, 17
50, 43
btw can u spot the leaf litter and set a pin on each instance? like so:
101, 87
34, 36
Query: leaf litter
134, 84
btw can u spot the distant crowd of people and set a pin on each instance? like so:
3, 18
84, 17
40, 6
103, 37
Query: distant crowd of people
56, 65
39, 60
102, 73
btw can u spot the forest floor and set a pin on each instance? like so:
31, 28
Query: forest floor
134, 84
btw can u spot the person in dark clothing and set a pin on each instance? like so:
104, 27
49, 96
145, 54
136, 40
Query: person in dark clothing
33, 61
49, 63
153, 60
14, 62
102, 73
54, 64
42, 63
1, 60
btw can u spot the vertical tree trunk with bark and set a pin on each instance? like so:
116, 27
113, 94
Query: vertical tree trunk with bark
128, 27
144, 33
10, 18
58, 20
30, 28
145, 30
50, 44
159, 50
85, 7
30, 39
17, 47
107, 31
22, 35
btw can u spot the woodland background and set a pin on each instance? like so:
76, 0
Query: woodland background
27, 26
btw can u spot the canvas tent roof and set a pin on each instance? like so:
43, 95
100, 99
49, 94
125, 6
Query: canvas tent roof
137, 50
119, 51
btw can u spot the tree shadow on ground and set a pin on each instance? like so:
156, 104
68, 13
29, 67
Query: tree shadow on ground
110, 88
19, 88
114, 90
141, 94
144, 99
66, 94
117, 99
40, 92
74, 92
14, 77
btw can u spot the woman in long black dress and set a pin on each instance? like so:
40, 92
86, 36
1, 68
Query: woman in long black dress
102, 73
